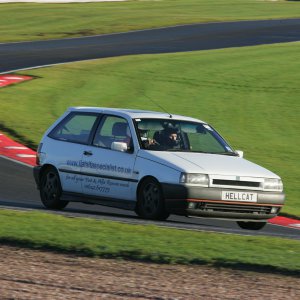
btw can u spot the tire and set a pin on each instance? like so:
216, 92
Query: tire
251, 225
150, 203
50, 190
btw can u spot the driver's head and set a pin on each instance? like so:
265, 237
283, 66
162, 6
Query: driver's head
171, 137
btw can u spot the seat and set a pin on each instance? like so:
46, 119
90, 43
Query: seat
120, 129
158, 136
121, 133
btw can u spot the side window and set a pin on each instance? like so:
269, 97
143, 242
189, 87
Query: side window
113, 129
76, 127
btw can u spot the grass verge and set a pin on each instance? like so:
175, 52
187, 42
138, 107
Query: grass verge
33, 21
148, 243
250, 95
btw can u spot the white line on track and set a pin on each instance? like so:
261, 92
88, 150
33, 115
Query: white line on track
16, 147
26, 155
49, 65
295, 225
16, 161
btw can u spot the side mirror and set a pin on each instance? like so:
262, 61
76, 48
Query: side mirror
119, 146
240, 153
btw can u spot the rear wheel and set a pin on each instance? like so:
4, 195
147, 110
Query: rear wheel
251, 225
50, 189
151, 201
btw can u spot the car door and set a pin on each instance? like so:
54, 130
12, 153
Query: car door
68, 141
108, 164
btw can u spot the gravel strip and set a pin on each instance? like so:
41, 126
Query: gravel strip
33, 274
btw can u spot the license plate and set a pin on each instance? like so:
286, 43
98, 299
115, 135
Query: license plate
239, 196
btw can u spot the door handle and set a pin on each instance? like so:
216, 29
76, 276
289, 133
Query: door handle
87, 153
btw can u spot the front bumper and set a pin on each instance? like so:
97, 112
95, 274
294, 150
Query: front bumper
207, 202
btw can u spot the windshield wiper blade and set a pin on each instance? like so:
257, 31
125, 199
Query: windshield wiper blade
228, 153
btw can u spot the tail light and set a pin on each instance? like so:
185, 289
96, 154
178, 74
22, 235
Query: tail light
38, 151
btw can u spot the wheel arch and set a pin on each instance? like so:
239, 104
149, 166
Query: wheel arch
44, 168
140, 184
50, 188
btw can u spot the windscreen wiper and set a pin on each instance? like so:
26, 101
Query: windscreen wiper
228, 153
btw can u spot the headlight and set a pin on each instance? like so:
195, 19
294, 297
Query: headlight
194, 178
273, 184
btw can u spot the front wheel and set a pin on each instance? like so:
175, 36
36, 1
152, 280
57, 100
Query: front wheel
251, 225
50, 190
150, 201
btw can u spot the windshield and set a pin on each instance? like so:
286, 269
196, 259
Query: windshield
182, 136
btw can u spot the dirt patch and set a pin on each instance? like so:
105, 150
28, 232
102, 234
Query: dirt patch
32, 274
83, 32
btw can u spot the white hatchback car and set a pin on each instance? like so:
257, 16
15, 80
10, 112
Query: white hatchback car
154, 163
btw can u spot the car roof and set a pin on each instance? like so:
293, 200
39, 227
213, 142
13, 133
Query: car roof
133, 113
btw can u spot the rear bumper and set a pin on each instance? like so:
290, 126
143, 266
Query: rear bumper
36, 175
207, 202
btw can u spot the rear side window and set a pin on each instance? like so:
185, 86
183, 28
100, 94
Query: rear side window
75, 128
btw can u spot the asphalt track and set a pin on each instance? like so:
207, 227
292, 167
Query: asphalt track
14, 56
18, 191
17, 187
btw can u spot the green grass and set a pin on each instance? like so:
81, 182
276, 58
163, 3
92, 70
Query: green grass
31, 21
148, 243
250, 95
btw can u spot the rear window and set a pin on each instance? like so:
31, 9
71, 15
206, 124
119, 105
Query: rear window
75, 128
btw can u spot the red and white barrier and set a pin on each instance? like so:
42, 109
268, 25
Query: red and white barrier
57, 1
287, 222
9, 79
16, 151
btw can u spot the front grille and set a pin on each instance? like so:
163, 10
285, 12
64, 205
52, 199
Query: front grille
236, 183
233, 208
